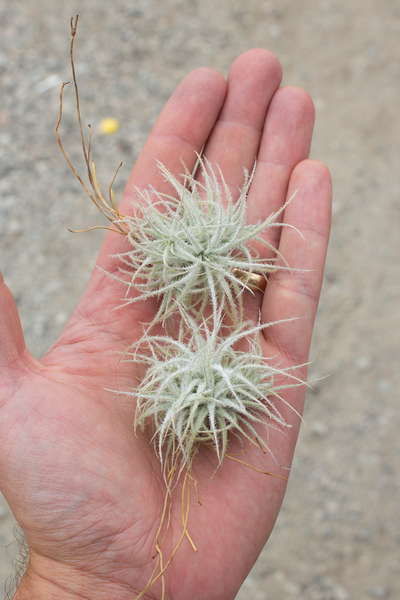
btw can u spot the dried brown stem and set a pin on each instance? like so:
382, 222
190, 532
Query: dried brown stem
110, 211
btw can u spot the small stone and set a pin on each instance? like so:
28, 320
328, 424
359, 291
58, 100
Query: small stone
14, 226
384, 385
319, 429
379, 591
275, 31
61, 318
320, 104
5, 139
336, 207
4, 512
362, 362
48, 83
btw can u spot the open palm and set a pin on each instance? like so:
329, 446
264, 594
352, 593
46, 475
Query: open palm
86, 491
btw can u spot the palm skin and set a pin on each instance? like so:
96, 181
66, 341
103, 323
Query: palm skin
88, 492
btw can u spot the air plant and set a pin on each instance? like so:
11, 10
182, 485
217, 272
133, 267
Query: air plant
199, 387
191, 249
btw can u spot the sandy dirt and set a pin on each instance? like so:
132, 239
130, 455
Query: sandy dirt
338, 535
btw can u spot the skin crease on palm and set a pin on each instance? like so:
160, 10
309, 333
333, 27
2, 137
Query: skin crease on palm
88, 492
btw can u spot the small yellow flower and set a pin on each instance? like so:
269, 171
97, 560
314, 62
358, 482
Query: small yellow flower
109, 126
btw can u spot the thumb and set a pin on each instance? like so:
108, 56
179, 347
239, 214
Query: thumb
12, 344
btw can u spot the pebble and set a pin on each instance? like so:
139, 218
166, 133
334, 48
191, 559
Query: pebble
379, 591
4, 512
319, 429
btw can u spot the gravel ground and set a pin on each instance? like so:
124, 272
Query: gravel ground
338, 535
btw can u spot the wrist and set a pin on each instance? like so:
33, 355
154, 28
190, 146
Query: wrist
46, 579
32, 587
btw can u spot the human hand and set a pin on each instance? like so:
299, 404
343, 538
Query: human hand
86, 491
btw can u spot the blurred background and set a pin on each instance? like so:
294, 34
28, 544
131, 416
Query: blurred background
338, 535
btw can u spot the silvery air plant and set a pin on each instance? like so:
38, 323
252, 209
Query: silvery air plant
198, 387
205, 376
189, 249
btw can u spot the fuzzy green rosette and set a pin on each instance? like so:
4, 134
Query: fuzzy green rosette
199, 387
184, 248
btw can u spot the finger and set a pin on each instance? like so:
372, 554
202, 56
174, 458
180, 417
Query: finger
233, 145
180, 131
286, 141
12, 345
296, 293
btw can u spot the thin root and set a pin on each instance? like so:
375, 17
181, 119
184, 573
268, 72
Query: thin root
172, 478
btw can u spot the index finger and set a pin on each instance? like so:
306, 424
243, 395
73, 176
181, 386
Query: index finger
180, 131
